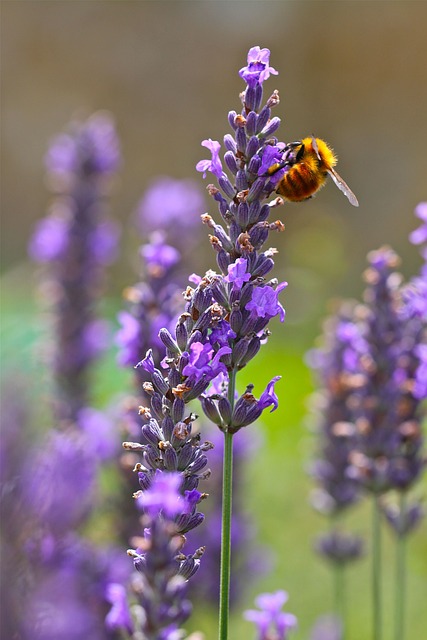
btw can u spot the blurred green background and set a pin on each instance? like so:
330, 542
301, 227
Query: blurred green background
352, 73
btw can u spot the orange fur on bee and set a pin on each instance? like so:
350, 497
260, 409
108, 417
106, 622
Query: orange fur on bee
309, 174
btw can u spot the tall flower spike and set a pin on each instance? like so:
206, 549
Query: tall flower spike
339, 370
77, 241
243, 299
230, 310
223, 326
388, 451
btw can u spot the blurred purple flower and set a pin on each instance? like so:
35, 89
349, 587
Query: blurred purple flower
127, 338
403, 521
119, 616
419, 236
270, 621
61, 476
91, 148
338, 365
388, 451
163, 496
101, 433
106, 242
58, 609
77, 241
420, 386
339, 547
168, 202
159, 257
50, 239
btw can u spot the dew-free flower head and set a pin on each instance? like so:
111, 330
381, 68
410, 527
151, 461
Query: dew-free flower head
258, 68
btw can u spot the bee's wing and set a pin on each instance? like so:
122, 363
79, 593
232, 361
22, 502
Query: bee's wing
315, 148
343, 186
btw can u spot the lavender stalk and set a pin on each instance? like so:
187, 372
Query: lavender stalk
242, 291
76, 242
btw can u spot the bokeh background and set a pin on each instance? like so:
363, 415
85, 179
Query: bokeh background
350, 72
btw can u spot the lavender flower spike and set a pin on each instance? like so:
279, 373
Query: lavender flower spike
230, 309
77, 241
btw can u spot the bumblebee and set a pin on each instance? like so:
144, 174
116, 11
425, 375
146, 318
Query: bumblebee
309, 163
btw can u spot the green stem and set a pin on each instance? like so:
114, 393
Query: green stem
227, 480
376, 568
339, 581
400, 586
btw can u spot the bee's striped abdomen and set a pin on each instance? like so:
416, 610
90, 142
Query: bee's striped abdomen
300, 183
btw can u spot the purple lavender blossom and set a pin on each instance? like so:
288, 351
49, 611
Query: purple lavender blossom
339, 370
237, 273
388, 453
240, 292
404, 520
264, 303
119, 617
338, 547
258, 68
269, 620
213, 165
160, 583
76, 241
203, 363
